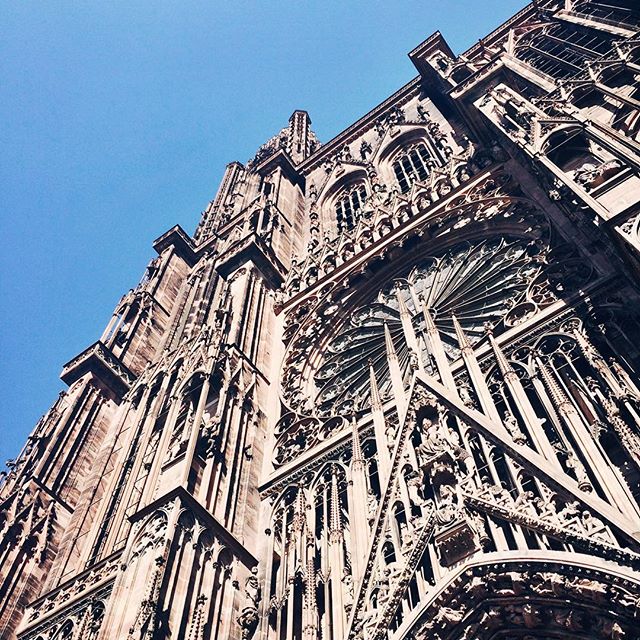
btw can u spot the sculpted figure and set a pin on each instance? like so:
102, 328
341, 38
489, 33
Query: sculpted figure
347, 589
372, 508
579, 471
570, 513
252, 590
248, 618
511, 425
525, 503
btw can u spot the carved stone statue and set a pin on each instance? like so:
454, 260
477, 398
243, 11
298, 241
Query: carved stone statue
248, 618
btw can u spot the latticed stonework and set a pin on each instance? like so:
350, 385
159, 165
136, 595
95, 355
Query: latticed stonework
388, 390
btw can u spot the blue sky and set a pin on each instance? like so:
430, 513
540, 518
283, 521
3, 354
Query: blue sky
117, 119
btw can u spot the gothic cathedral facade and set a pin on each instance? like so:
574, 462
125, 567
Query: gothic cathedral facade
388, 390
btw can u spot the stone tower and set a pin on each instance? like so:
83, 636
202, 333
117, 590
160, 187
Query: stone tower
389, 388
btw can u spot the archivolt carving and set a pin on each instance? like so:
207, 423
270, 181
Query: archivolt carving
510, 602
150, 535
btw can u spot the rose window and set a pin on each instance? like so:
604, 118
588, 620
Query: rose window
478, 283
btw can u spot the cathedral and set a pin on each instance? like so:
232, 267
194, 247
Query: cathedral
388, 390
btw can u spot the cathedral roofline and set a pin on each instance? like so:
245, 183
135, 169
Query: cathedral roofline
281, 159
352, 132
101, 362
503, 29
435, 42
180, 240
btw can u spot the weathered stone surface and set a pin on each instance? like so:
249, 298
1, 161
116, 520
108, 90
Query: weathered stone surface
389, 388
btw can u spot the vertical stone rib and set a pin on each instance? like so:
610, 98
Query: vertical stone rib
475, 373
436, 347
519, 395
396, 375
407, 326
379, 425
612, 486
335, 526
558, 396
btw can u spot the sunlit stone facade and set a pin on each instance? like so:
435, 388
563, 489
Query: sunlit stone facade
388, 389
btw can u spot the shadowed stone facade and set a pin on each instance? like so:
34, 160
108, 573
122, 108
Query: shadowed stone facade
389, 388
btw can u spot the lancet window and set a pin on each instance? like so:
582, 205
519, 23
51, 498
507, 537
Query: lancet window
617, 12
412, 165
315, 528
562, 50
349, 206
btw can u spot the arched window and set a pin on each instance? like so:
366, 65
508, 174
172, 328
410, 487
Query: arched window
65, 632
388, 553
412, 165
349, 206
562, 50
622, 12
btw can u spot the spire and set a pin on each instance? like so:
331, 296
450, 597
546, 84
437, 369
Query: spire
335, 525
311, 623
475, 373
299, 515
402, 307
463, 341
597, 362
357, 456
503, 364
380, 427
301, 139
436, 348
407, 327
396, 375
388, 343
428, 320
376, 402
558, 396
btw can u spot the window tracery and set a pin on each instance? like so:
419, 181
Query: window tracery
481, 284
349, 206
562, 50
617, 12
412, 165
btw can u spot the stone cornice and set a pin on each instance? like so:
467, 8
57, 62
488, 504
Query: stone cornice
100, 361
435, 42
504, 28
203, 514
180, 240
280, 159
252, 248
79, 577
360, 126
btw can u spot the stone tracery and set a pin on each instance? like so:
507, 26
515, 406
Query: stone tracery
422, 415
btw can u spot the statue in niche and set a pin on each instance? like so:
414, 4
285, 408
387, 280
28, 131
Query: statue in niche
347, 589
464, 391
511, 424
248, 618
365, 150
423, 114
579, 471
372, 508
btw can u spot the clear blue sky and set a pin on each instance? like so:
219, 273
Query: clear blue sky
117, 119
